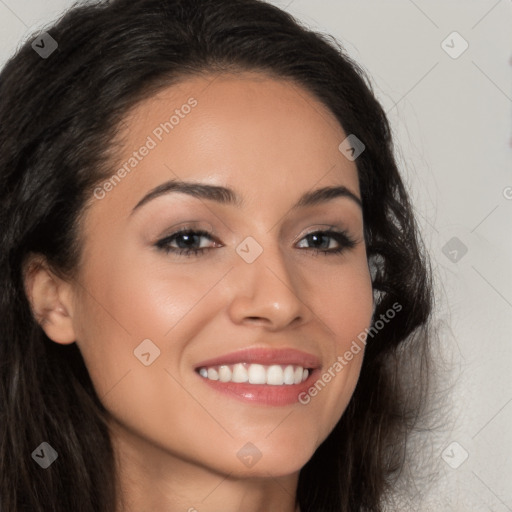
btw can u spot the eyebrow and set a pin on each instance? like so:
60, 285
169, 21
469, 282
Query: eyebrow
227, 196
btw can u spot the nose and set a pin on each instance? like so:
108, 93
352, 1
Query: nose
267, 292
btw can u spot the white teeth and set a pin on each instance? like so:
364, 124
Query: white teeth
273, 375
257, 374
288, 375
224, 373
239, 373
213, 374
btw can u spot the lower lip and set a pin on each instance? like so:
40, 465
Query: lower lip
264, 394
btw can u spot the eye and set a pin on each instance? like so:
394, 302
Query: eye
187, 241
187, 238
342, 239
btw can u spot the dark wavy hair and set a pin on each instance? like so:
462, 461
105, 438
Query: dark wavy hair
58, 120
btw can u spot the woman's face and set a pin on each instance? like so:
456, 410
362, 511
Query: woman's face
261, 300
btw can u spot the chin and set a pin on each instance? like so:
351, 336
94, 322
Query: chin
271, 459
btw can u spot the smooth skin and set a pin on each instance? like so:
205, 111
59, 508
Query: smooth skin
176, 440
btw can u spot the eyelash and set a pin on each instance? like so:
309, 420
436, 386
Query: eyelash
342, 237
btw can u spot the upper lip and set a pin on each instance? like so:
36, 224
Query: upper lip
266, 356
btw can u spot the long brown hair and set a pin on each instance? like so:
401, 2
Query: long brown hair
57, 117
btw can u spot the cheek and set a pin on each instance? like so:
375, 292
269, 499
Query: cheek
129, 301
344, 305
343, 300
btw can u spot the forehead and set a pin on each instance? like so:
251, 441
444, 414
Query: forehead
249, 131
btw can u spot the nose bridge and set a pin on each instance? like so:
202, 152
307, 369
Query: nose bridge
266, 287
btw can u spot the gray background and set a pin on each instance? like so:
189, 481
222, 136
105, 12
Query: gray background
452, 121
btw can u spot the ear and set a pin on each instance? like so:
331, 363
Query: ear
50, 299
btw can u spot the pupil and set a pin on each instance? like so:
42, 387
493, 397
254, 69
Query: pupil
316, 238
189, 239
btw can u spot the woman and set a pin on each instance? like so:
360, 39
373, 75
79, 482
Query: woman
174, 334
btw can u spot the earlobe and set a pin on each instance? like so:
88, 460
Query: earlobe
50, 301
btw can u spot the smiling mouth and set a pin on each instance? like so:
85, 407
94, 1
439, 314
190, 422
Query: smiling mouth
258, 374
